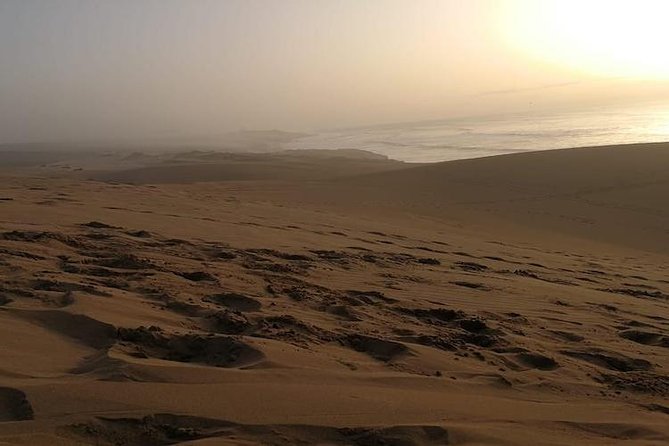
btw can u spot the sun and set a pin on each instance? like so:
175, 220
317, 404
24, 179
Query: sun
613, 38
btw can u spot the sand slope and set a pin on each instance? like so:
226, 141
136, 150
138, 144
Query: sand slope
613, 194
415, 307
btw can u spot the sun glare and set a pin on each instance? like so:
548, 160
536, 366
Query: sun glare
601, 37
661, 127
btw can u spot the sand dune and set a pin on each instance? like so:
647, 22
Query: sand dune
613, 194
134, 165
521, 299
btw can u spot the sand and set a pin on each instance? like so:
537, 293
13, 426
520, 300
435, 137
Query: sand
514, 300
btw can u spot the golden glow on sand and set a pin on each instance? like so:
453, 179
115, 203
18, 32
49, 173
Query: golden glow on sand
600, 37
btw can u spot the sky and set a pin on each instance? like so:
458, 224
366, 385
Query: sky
75, 70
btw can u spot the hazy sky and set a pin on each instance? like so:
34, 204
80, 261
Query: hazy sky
106, 69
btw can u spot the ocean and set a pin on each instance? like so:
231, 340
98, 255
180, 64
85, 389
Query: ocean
461, 138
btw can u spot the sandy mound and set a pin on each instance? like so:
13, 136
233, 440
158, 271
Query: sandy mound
14, 406
380, 349
234, 301
78, 327
218, 351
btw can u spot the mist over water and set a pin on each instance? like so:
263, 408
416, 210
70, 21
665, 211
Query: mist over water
462, 138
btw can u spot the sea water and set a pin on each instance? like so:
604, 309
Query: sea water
451, 139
